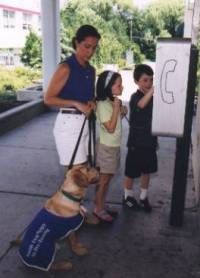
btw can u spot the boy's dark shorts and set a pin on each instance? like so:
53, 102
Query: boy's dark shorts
140, 161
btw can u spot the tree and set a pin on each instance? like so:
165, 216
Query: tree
161, 19
32, 52
106, 15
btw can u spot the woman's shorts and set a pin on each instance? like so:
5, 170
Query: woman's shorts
66, 132
140, 161
108, 159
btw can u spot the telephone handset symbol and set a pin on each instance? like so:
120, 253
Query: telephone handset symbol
167, 96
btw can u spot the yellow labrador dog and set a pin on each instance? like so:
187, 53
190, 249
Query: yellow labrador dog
59, 218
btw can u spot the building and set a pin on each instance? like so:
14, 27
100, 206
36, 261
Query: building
17, 18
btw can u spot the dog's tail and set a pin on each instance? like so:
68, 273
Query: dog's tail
13, 243
17, 241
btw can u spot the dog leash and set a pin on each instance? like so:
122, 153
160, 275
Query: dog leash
77, 144
92, 140
125, 117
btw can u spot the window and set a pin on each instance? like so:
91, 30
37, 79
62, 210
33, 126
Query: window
8, 19
27, 21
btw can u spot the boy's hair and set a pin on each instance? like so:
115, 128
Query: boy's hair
104, 84
140, 70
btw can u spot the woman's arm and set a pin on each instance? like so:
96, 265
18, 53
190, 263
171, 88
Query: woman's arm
56, 84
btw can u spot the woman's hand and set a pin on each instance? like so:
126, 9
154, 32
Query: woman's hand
84, 108
92, 104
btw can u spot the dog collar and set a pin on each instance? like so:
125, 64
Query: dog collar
69, 196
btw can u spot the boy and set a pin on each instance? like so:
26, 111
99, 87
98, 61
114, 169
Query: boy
141, 159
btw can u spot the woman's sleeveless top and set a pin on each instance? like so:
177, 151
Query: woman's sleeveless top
81, 81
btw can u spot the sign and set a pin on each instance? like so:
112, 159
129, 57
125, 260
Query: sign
171, 82
129, 58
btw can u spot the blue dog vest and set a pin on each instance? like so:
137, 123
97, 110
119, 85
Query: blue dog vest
38, 245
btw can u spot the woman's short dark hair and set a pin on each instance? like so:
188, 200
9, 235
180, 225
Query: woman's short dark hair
103, 92
140, 70
83, 32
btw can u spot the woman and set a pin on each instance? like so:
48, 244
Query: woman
72, 90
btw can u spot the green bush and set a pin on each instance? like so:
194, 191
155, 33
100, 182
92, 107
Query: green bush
7, 97
16, 79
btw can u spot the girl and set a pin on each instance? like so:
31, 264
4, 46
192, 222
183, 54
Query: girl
109, 112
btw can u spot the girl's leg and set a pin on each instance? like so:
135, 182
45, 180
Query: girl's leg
101, 191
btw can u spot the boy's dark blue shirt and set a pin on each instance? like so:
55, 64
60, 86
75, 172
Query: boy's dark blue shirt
140, 123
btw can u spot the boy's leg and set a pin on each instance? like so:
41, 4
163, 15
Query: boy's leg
145, 178
129, 201
130, 172
144, 202
128, 187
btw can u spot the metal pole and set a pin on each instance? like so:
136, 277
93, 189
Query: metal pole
131, 30
183, 148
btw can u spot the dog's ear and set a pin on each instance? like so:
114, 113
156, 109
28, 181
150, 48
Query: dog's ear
79, 178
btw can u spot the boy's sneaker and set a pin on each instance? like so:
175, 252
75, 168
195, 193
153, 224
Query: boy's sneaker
131, 203
145, 205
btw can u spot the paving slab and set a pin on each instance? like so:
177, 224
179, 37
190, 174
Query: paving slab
136, 245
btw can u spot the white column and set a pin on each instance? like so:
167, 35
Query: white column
192, 19
188, 18
50, 38
196, 22
191, 30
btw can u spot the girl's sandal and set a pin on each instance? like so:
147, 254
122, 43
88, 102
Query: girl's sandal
103, 216
112, 211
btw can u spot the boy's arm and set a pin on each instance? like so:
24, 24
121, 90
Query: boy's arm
142, 103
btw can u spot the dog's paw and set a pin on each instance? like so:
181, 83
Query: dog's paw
91, 219
62, 266
79, 249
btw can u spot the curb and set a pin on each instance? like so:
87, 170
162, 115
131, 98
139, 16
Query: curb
19, 115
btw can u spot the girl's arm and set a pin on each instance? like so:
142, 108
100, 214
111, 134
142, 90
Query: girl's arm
112, 123
142, 103
56, 84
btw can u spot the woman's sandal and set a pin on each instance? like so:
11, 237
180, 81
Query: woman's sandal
103, 216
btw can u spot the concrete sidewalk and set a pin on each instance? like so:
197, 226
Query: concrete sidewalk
136, 245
